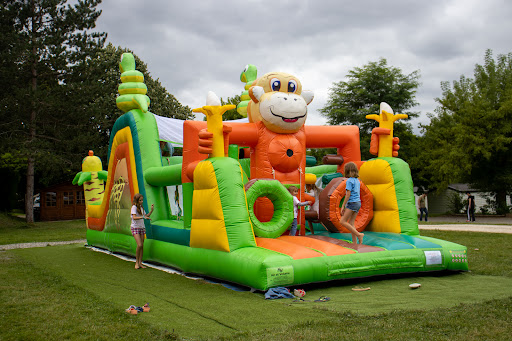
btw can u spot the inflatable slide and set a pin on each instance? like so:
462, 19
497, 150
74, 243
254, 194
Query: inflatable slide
222, 208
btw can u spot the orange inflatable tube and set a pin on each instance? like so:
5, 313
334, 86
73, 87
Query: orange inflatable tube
344, 138
330, 200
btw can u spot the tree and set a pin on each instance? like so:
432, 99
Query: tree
470, 139
319, 153
51, 37
231, 114
61, 85
350, 101
92, 88
12, 166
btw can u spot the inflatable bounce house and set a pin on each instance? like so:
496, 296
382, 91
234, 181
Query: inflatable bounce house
222, 208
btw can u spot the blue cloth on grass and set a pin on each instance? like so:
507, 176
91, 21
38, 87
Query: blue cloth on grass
278, 292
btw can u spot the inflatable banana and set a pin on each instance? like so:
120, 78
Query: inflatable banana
385, 143
132, 90
389, 179
213, 111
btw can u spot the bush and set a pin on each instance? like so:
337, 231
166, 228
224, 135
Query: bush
502, 209
486, 209
456, 204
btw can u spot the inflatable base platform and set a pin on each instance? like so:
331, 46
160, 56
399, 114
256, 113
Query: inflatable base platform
290, 261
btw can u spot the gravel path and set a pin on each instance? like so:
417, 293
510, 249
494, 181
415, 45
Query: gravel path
39, 244
470, 228
461, 219
490, 224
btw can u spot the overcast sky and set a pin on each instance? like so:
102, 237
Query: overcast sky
197, 46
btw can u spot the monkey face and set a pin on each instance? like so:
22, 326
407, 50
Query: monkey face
279, 102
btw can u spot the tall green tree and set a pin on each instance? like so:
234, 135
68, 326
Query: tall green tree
51, 37
12, 166
92, 88
351, 100
60, 90
470, 139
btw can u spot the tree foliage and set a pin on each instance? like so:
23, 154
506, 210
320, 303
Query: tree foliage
93, 90
366, 87
470, 139
48, 37
60, 85
231, 114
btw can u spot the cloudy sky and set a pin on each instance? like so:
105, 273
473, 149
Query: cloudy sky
197, 46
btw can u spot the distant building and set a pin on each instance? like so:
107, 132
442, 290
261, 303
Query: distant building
441, 203
63, 201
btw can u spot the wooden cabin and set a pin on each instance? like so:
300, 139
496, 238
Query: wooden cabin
63, 201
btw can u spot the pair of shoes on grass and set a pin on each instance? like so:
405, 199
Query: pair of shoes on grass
323, 299
132, 310
135, 310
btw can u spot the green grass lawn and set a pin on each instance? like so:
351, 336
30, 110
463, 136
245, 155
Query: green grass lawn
72, 292
16, 230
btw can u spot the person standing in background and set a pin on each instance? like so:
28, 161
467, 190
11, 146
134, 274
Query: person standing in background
422, 204
471, 207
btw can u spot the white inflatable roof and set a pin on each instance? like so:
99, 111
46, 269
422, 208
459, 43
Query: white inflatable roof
171, 129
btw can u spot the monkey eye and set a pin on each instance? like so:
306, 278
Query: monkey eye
275, 84
292, 86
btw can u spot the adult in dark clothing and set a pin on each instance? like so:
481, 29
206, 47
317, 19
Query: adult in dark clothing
471, 207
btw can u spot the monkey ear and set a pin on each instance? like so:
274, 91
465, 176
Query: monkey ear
255, 92
308, 96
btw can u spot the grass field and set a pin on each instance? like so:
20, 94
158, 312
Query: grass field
71, 292
15, 230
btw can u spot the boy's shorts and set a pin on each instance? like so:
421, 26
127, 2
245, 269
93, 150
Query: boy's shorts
353, 206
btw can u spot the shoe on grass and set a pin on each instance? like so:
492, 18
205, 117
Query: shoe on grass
132, 310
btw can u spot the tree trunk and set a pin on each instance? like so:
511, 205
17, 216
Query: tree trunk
29, 194
501, 202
